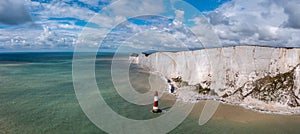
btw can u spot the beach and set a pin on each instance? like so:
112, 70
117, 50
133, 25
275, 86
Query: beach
190, 95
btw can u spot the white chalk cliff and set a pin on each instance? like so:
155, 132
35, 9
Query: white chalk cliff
263, 78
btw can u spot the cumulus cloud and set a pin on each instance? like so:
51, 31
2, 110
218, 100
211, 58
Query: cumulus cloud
258, 22
58, 27
45, 32
60, 9
237, 22
13, 12
204, 32
167, 35
36, 38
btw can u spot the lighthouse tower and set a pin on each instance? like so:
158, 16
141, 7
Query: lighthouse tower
155, 104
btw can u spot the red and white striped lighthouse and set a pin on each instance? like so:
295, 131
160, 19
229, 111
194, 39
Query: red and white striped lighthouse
155, 104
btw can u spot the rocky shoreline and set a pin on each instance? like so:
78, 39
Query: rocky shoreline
263, 79
189, 94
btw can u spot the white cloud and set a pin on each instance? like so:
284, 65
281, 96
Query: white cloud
137, 7
204, 32
258, 22
44, 33
166, 35
238, 22
179, 15
60, 10
23, 38
155, 40
55, 33
18, 38
119, 11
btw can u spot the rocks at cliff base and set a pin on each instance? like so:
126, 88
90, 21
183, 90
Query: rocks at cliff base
258, 77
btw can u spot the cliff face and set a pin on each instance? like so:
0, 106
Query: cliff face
270, 75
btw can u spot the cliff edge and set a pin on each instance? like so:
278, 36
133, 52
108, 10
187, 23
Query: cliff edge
260, 78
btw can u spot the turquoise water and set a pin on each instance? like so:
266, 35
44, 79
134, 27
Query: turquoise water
37, 96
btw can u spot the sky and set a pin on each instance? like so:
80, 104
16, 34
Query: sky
62, 25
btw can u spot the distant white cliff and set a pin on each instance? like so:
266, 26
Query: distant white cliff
261, 78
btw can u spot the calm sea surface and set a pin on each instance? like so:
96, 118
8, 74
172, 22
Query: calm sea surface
37, 96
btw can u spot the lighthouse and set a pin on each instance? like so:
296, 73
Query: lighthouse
155, 104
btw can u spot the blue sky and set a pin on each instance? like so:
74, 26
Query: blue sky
54, 25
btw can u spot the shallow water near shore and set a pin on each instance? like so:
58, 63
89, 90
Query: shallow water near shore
37, 96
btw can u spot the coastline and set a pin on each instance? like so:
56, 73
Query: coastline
188, 94
183, 94
261, 79
238, 114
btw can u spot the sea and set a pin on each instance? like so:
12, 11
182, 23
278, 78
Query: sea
37, 96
